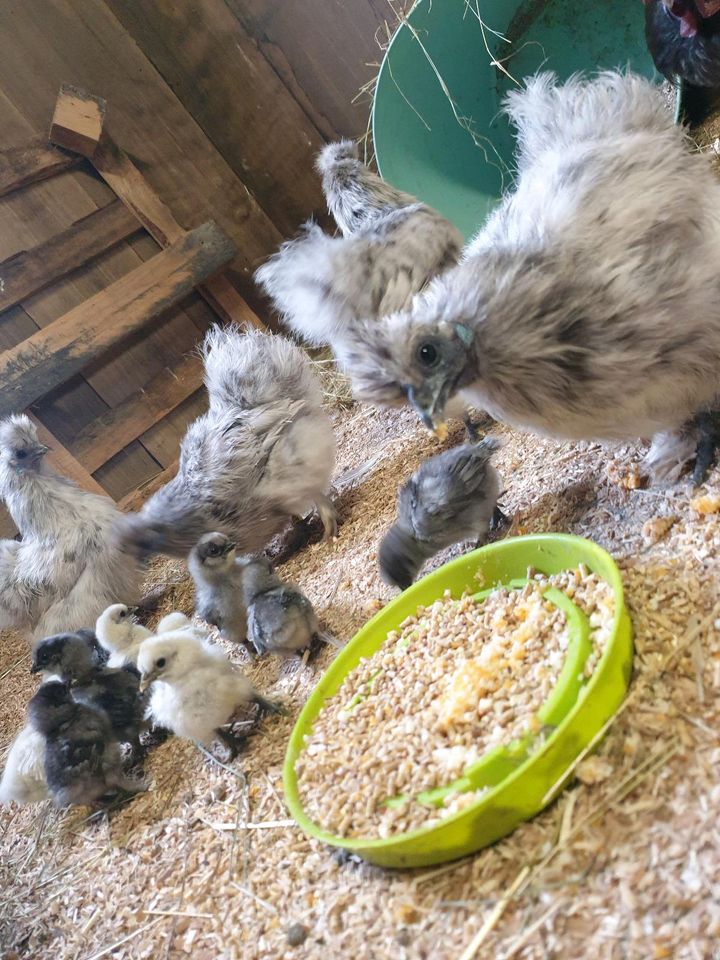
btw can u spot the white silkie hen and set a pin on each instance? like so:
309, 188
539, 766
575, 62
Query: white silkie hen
23, 779
120, 634
262, 454
392, 246
195, 689
588, 307
66, 569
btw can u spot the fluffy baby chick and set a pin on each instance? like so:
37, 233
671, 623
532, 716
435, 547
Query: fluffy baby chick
175, 620
65, 571
23, 779
115, 692
263, 453
195, 689
569, 315
82, 757
217, 573
120, 634
280, 618
392, 245
450, 497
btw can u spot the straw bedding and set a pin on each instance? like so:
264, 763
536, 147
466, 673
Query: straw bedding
625, 864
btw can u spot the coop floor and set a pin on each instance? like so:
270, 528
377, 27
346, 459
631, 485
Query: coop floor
208, 864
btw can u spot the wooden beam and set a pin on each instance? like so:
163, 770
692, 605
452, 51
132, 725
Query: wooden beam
133, 501
114, 430
54, 354
32, 270
64, 462
70, 129
21, 166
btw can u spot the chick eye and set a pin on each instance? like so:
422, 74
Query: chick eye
428, 354
161, 662
21, 454
122, 614
213, 550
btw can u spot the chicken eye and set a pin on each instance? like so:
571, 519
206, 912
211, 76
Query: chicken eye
428, 354
21, 454
161, 662
122, 614
213, 550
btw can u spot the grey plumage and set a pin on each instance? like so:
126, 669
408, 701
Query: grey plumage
65, 570
70, 655
450, 497
217, 573
82, 758
573, 313
392, 245
281, 619
263, 453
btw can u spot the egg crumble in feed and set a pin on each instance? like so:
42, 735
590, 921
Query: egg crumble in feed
456, 680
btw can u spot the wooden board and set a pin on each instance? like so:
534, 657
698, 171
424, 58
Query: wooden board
236, 96
29, 271
54, 354
20, 166
108, 434
63, 462
133, 501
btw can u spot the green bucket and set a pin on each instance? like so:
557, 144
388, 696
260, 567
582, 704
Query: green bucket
437, 125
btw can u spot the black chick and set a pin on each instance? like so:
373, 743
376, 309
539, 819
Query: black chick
683, 37
82, 757
114, 691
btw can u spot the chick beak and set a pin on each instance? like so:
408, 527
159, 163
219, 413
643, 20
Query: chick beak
35, 668
40, 450
147, 679
133, 610
425, 416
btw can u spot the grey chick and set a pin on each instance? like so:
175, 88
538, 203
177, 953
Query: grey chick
65, 570
82, 757
217, 574
450, 497
569, 314
262, 454
392, 246
113, 691
280, 618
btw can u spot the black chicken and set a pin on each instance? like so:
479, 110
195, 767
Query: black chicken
683, 37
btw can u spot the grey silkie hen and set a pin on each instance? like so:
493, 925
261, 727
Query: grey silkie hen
82, 757
113, 691
450, 497
65, 571
217, 574
571, 314
392, 245
280, 618
263, 453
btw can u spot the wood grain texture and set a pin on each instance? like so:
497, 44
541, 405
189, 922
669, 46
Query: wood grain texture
54, 354
27, 272
133, 501
23, 165
63, 462
236, 96
78, 120
108, 434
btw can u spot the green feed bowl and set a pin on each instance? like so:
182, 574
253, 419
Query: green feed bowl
437, 124
528, 787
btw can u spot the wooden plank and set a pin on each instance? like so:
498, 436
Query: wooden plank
133, 501
236, 96
20, 166
70, 127
62, 461
108, 434
51, 356
32, 270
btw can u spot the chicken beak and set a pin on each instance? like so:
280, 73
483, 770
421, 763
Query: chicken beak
147, 679
133, 610
420, 410
35, 668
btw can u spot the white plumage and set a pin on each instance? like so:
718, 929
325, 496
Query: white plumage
23, 779
120, 634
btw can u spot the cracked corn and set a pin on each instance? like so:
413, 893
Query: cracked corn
456, 680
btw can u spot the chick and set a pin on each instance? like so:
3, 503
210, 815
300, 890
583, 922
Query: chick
114, 692
23, 779
217, 573
281, 619
175, 620
263, 453
392, 246
120, 634
568, 315
683, 37
450, 497
195, 689
82, 758
65, 570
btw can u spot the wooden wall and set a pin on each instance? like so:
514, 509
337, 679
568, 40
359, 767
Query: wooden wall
223, 105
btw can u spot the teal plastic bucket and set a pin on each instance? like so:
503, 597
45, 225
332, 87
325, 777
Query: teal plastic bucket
451, 147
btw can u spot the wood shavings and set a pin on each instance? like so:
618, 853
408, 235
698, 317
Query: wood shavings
706, 504
594, 770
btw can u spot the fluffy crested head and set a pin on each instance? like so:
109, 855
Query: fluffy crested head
72, 655
116, 613
20, 449
334, 153
250, 368
170, 657
214, 550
